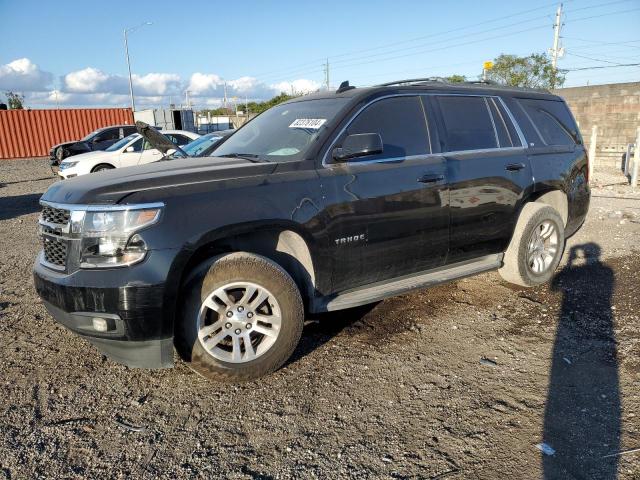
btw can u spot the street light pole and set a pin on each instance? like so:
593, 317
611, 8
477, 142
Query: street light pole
126, 50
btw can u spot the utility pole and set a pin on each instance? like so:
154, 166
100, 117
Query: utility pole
326, 74
557, 51
225, 96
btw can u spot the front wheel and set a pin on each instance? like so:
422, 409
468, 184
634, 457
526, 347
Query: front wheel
241, 319
536, 247
102, 167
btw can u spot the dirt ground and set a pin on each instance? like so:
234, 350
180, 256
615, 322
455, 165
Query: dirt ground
473, 379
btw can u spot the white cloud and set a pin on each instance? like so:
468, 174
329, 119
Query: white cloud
300, 86
93, 87
23, 75
211, 85
92, 80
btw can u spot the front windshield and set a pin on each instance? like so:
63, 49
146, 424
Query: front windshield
89, 136
199, 145
282, 133
121, 143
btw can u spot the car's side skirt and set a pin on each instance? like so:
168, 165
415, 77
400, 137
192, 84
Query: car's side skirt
396, 286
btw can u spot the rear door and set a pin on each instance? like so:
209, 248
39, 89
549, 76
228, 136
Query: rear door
488, 172
387, 213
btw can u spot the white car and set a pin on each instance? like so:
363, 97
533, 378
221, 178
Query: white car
130, 151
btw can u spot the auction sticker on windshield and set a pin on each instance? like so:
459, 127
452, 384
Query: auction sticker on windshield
313, 123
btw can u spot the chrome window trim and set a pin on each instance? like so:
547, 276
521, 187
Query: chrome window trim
504, 123
493, 122
523, 141
101, 207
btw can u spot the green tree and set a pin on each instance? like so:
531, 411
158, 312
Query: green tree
456, 78
14, 100
534, 71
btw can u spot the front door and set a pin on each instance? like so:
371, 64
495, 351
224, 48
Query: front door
149, 154
387, 214
130, 155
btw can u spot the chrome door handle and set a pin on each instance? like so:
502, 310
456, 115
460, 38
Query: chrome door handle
514, 167
431, 178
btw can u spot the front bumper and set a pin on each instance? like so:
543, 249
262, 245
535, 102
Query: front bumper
131, 301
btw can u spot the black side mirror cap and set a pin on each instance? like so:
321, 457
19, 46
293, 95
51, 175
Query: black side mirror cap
359, 145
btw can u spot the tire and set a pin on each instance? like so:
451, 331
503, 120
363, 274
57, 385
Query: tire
201, 325
527, 262
102, 167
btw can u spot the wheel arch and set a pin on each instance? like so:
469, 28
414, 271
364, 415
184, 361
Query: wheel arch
285, 244
556, 199
107, 164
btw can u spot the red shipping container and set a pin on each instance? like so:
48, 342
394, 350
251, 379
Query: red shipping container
31, 133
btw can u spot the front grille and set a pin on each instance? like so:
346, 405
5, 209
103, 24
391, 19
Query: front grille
53, 223
55, 215
55, 250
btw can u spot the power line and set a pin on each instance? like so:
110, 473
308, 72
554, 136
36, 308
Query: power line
602, 66
345, 65
354, 52
591, 58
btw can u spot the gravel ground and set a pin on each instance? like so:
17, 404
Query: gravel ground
474, 379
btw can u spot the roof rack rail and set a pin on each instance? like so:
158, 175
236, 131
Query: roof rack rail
484, 82
412, 81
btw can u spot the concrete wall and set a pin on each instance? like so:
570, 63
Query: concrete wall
614, 108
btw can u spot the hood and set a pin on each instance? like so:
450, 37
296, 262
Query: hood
156, 139
112, 186
63, 144
89, 156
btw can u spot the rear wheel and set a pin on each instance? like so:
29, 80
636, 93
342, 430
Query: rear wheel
242, 318
102, 167
536, 247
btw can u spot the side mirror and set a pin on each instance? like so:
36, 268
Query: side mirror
129, 149
171, 151
358, 145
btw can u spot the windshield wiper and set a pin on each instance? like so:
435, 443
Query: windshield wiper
252, 157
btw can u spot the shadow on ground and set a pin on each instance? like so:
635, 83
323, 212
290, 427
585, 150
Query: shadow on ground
12, 207
582, 420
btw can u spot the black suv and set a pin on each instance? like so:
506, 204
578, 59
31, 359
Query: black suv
100, 139
322, 203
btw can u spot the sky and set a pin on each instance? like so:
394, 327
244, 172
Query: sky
71, 53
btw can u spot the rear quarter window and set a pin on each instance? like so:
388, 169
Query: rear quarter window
552, 121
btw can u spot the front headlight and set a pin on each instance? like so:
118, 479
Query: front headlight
65, 165
109, 236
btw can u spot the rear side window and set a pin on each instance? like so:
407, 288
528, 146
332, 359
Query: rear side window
552, 121
466, 124
129, 131
400, 121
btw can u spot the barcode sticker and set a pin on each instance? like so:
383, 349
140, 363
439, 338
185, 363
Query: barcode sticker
312, 123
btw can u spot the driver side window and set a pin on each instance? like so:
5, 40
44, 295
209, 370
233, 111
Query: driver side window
400, 121
137, 146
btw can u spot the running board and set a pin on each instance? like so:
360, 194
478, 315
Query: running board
389, 288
